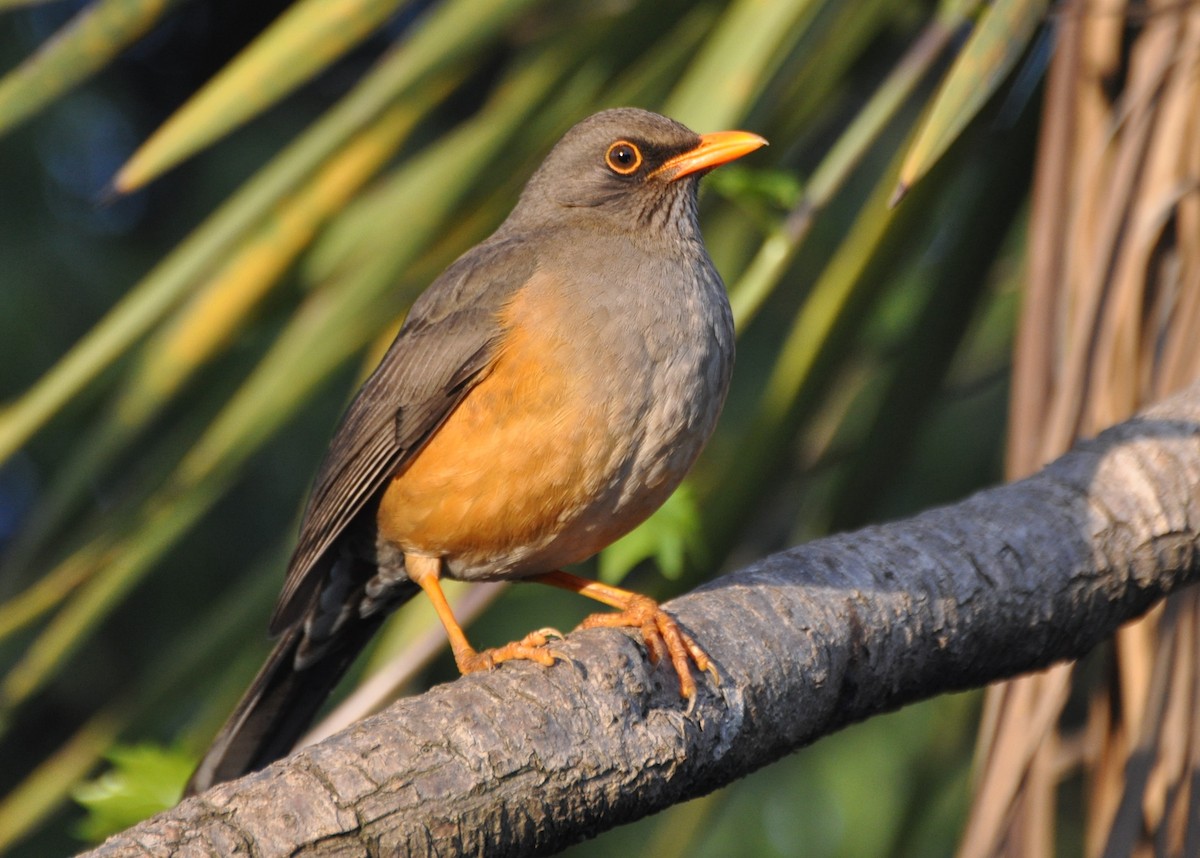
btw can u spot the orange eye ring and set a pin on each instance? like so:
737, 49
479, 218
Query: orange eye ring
623, 158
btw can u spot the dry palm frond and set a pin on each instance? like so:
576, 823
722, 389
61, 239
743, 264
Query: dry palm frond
1110, 320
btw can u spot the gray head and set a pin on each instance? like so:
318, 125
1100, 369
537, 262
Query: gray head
628, 168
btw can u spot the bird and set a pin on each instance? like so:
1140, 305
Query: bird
545, 394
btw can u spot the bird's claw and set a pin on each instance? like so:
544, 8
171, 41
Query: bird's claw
663, 637
532, 647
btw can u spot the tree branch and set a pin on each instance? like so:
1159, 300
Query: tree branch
526, 760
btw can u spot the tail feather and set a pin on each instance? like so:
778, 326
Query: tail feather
282, 700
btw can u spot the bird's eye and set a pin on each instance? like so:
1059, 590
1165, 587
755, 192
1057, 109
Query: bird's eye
623, 158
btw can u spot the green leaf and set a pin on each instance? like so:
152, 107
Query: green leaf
306, 39
144, 779
758, 280
737, 60
997, 43
84, 45
776, 188
672, 536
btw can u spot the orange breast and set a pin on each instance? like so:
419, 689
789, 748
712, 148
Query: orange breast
511, 469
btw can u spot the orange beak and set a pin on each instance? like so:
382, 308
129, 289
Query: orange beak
715, 149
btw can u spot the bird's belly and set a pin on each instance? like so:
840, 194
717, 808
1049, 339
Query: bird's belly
541, 465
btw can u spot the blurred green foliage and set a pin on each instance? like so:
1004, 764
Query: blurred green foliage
141, 780
174, 358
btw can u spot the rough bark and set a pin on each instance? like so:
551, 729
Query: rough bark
526, 760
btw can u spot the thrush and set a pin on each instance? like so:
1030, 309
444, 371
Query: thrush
545, 394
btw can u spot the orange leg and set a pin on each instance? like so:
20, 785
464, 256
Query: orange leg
425, 571
659, 630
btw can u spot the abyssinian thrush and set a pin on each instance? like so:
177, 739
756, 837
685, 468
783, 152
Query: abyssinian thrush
546, 394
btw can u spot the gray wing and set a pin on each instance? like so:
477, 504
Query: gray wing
447, 344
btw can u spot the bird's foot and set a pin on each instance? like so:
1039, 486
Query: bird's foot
663, 637
532, 647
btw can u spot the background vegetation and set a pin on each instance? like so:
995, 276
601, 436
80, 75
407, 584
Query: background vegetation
206, 245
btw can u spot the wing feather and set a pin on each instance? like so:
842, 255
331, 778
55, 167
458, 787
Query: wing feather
446, 346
